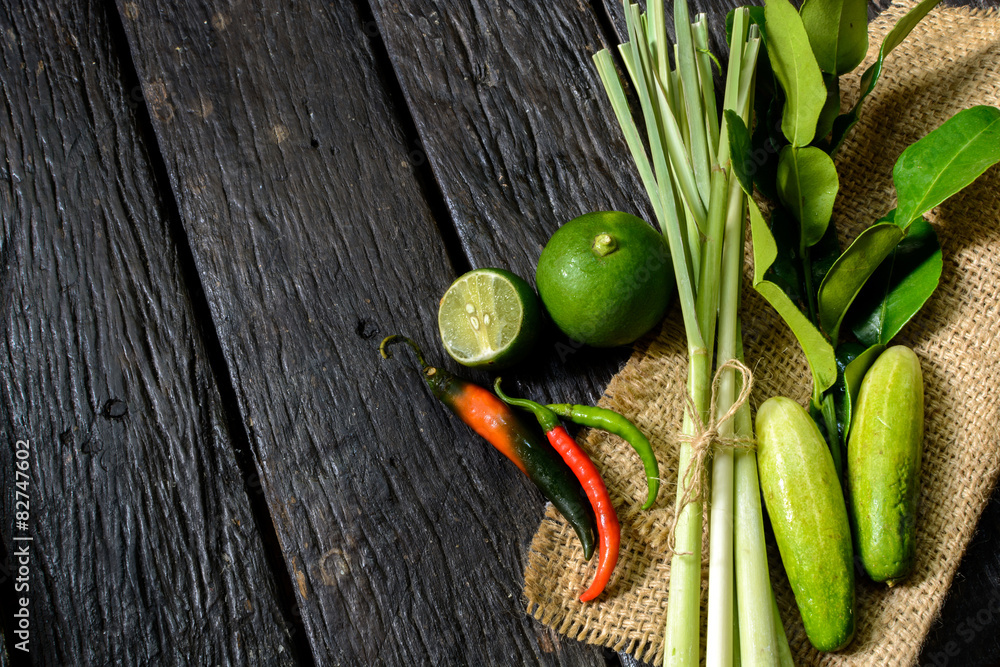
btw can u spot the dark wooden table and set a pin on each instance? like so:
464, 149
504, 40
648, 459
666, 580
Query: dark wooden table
212, 213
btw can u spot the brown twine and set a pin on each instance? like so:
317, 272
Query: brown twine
706, 435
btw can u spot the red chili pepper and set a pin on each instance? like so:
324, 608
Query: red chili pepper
608, 529
517, 439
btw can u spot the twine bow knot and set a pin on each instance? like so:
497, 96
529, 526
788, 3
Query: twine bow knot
707, 433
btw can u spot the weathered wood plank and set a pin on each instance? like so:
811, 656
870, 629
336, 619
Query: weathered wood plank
404, 533
144, 548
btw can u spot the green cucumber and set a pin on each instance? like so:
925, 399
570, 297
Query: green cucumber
806, 506
883, 464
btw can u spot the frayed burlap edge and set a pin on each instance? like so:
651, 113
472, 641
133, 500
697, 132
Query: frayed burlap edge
951, 61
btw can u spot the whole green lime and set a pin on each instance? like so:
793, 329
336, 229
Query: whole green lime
605, 278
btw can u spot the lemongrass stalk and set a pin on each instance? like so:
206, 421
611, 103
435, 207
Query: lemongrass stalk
619, 103
692, 227
704, 58
661, 195
679, 106
721, 524
735, 83
694, 236
711, 261
785, 658
748, 72
689, 231
659, 43
684, 145
737, 661
711, 258
759, 639
679, 159
678, 251
688, 69
687, 594
683, 625
639, 64
721, 623
721, 550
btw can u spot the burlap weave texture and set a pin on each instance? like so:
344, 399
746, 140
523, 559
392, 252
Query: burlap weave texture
950, 62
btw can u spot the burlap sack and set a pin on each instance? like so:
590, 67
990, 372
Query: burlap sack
950, 62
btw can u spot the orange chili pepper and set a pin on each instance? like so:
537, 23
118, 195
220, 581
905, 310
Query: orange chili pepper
515, 438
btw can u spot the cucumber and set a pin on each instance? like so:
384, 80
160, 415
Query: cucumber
806, 506
883, 464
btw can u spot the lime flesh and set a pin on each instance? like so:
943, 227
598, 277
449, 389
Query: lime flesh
489, 317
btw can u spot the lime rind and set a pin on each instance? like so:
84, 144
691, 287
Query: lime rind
605, 278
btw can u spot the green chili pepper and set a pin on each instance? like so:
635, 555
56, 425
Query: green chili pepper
612, 422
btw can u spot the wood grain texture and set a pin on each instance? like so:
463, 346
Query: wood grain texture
144, 550
403, 533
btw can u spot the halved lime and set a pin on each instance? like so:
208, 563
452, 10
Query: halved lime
489, 317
